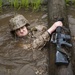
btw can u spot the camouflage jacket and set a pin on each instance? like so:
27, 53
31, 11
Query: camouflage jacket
39, 37
26, 58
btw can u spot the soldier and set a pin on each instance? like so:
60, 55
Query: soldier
20, 28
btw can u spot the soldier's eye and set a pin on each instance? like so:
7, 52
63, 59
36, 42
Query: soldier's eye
22, 27
18, 29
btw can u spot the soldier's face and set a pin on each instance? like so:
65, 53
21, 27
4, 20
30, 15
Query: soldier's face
21, 31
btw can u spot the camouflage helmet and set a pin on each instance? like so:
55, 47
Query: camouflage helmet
17, 22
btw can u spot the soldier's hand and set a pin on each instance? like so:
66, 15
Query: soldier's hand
54, 26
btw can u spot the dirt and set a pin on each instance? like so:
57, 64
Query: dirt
14, 60
71, 19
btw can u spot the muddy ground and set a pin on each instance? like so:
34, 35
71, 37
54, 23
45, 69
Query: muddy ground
9, 53
71, 19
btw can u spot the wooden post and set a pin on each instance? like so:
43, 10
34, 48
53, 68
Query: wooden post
56, 10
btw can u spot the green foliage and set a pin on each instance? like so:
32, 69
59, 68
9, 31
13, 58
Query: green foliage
36, 4
16, 4
67, 1
11, 2
25, 3
0, 5
70, 2
73, 2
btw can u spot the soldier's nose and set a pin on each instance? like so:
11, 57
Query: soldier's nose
21, 30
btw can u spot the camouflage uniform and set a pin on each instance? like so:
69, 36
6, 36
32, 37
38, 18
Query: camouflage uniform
27, 58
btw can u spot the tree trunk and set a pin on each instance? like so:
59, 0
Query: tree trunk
56, 10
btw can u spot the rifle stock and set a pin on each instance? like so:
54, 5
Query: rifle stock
61, 58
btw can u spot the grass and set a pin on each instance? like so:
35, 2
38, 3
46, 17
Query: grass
36, 4
25, 3
0, 5
11, 2
16, 4
67, 1
73, 1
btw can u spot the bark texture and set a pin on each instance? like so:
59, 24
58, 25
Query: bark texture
56, 10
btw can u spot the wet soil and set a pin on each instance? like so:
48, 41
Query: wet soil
16, 61
71, 19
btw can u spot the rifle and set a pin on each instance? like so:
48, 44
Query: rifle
61, 39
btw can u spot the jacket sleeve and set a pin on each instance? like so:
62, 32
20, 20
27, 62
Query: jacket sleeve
40, 41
